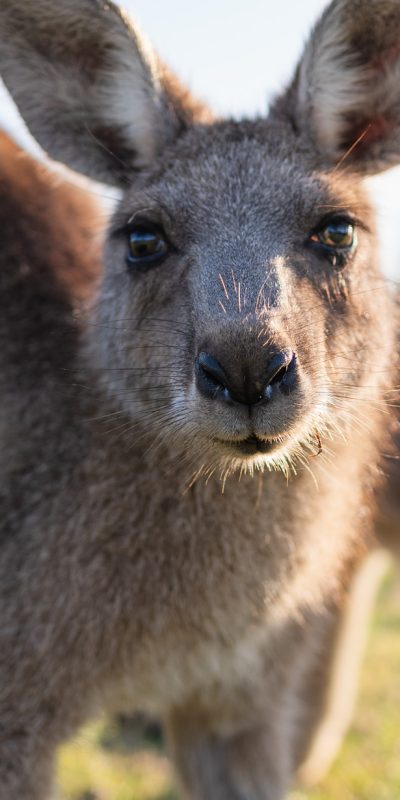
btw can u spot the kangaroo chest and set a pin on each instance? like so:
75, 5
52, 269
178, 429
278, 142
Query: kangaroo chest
202, 585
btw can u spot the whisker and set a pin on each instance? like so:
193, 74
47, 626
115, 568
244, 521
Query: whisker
224, 286
351, 148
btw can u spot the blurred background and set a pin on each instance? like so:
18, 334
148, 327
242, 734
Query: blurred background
236, 54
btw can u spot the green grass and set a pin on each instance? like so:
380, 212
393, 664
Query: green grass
113, 762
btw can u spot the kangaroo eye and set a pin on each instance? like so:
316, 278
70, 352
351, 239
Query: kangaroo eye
146, 245
336, 235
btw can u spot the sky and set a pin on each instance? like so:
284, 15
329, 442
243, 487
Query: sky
236, 54
233, 53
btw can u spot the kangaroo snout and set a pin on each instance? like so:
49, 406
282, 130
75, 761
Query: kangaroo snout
246, 386
252, 396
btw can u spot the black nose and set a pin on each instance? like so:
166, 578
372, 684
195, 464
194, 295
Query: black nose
213, 380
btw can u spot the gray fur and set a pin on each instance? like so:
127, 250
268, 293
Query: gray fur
137, 571
106, 89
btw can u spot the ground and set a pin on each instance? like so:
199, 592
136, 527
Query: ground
110, 760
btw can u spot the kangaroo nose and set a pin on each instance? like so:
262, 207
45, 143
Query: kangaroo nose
214, 381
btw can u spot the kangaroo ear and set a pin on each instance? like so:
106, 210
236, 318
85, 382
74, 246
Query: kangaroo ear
346, 93
90, 89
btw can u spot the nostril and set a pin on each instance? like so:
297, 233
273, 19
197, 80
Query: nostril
289, 379
278, 376
278, 367
282, 373
211, 377
212, 368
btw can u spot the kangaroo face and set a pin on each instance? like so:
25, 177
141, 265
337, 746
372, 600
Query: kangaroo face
236, 298
240, 316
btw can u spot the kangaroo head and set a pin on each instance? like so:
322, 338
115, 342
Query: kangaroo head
241, 311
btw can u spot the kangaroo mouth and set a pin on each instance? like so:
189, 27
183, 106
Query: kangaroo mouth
251, 446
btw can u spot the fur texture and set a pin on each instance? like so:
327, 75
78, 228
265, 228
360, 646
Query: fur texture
113, 75
347, 85
137, 571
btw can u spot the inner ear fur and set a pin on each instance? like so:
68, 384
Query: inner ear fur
90, 88
346, 93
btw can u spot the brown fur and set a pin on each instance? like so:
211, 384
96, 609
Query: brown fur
136, 570
388, 500
48, 218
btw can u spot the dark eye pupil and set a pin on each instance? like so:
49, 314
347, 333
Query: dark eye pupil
146, 244
337, 234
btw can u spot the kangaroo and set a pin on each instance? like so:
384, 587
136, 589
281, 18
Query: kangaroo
188, 466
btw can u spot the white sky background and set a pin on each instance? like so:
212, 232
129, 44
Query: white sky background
236, 54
